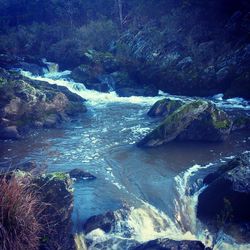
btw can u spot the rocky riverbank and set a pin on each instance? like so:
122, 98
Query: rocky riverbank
229, 193
29, 104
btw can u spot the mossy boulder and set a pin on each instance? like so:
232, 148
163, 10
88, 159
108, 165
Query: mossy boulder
195, 121
26, 103
164, 107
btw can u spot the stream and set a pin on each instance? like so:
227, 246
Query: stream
151, 185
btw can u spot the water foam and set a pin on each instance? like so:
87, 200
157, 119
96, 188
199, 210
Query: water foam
92, 96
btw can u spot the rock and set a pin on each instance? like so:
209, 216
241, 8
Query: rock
55, 190
185, 63
26, 103
91, 79
164, 107
31, 67
196, 121
102, 221
222, 73
80, 174
51, 121
229, 191
134, 91
10, 132
99, 86
84, 74
7, 61
166, 244
240, 119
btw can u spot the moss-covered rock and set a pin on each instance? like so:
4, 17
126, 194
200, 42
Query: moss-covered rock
25, 103
164, 107
197, 120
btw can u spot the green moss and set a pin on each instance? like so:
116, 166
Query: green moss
59, 176
170, 123
220, 119
224, 124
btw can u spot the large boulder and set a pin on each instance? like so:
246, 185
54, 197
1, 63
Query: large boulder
196, 121
167, 244
164, 107
26, 103
228, 191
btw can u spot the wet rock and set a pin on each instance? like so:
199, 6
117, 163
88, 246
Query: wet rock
55, 190
102, 221
26, 103
240, 118
51, 121
80, 174
84, 74
229, 191
10, 132
7, 61
222, 73
164, 107
195, 121
166, 244
133, 91
185, 63
31, 67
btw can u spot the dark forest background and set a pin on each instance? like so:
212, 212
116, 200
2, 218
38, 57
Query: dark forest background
161, 42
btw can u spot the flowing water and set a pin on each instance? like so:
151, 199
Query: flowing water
152, 186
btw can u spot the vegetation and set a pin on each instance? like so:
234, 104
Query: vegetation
20, 210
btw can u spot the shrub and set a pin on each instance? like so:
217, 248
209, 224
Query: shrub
19, 212
98, 35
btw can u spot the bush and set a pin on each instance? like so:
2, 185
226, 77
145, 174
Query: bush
20, 209
98, 35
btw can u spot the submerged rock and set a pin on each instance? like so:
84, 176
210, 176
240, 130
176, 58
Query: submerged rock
196, 121
166, 244
80, 174
102, 221
228, 191
165, 107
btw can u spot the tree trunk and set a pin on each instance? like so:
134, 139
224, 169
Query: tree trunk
119, 4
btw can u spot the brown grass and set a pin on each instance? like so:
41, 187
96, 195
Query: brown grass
20, 210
